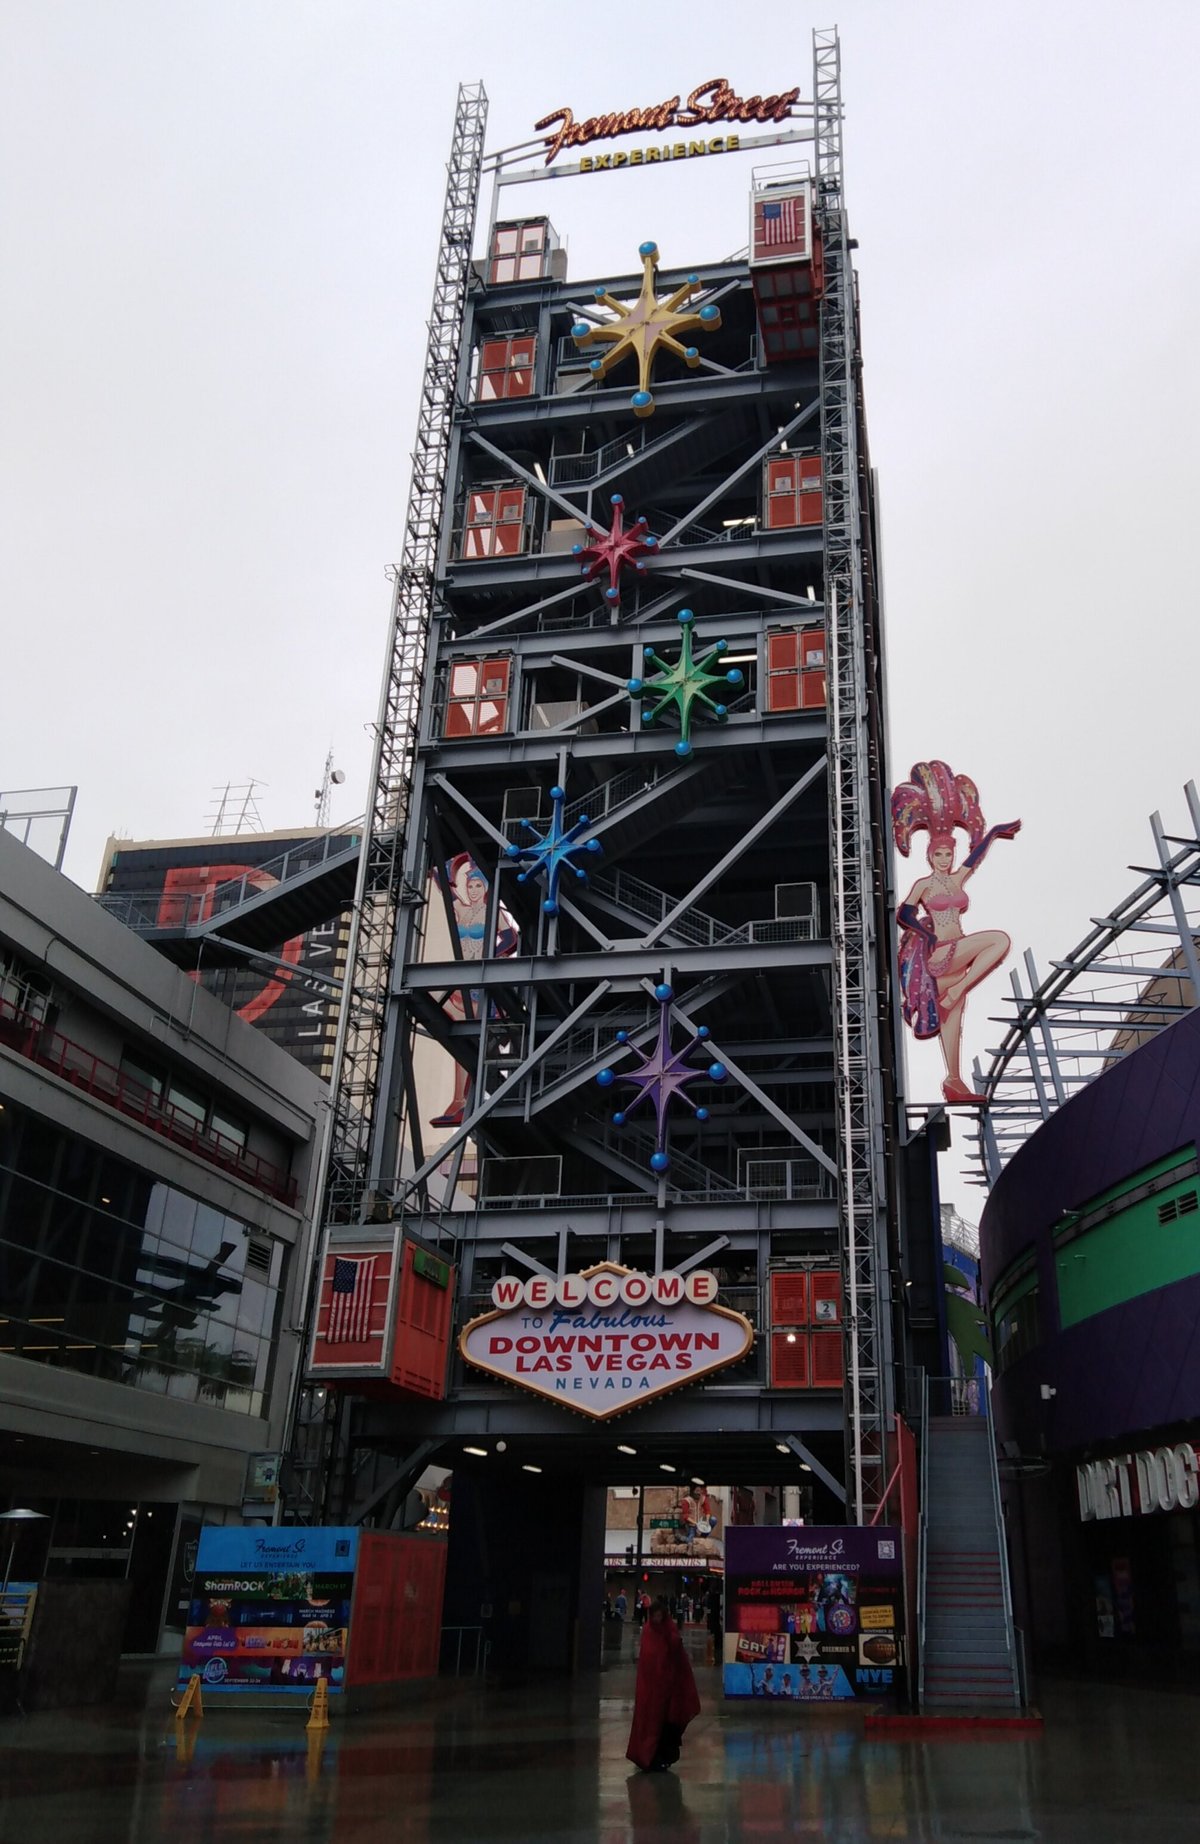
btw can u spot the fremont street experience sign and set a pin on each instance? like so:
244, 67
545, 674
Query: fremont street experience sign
608, 1339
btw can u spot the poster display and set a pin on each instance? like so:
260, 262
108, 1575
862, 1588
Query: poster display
270, 1608
813, 1614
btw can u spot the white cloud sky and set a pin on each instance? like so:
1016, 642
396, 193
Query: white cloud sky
219, 223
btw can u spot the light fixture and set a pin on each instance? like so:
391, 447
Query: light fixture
782, 1447
812, 594
537, 468
106, 1200
501, 1446
805, 1467
664, 1468
531, 1469
630, 450
791, 1338
480, 1453
697, 1482
623, 1449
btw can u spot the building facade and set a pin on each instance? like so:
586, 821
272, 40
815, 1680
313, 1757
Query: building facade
189, 895
156, 1159
634, 702
1090, 1248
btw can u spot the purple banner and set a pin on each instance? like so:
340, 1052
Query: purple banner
789, 1549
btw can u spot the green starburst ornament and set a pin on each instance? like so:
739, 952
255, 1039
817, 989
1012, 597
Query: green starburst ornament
684, 686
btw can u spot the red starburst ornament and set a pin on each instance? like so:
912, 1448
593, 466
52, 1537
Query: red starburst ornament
615, 550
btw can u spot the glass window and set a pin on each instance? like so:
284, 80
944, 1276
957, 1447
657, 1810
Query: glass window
188, 1101
179, 1217
209, 1236
92, 1291
135, 1070
221, 1123
504, 241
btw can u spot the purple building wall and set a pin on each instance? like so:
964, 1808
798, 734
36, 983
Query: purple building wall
1115, 1376
1136, 1366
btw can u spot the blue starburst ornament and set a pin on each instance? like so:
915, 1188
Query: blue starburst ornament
555, 851
684, 686
660, 1076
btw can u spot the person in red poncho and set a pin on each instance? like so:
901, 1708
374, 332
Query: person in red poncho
665, 1698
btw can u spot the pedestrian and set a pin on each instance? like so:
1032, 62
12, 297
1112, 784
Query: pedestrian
622, 1605
665, 1697
714, 1622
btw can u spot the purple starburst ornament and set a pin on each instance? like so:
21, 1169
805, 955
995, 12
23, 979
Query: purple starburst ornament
660, 1076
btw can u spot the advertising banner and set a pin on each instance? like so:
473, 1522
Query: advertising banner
607, 1339
813, 1614
270, 1609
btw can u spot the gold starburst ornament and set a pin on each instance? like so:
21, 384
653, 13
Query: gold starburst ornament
646, 328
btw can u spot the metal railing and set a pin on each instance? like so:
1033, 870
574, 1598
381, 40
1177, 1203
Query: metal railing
459, 1637
922, 1542
1001, 1539
153, 909
105, 1082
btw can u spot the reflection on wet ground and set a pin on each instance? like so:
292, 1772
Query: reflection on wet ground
464, 1762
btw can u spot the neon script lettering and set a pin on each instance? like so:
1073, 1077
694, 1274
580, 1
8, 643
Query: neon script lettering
713, 101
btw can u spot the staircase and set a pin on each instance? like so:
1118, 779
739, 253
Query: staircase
968, 1661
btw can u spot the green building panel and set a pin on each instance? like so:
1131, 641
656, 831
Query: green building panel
1135, 1250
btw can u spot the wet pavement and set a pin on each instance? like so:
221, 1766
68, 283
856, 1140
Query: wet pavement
466, 1762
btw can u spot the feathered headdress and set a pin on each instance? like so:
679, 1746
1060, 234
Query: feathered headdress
935, 800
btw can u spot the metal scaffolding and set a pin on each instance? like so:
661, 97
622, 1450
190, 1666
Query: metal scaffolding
856, 972
359, 1141
727, 885
1135, 973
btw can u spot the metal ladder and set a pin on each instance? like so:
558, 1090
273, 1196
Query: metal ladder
359, 1050
856, 1048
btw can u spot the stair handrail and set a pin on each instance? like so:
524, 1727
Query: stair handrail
1001, 1537
922, 1541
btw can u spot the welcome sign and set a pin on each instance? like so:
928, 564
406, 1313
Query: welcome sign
608, 1339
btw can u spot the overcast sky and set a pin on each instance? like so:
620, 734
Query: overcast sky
218, 222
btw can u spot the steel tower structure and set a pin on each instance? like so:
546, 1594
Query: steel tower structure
632, 720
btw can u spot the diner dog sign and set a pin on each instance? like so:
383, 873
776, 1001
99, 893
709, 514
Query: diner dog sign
608, 1339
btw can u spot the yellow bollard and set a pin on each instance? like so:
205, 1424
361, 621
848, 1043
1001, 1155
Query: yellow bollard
319, 1717
192, 1702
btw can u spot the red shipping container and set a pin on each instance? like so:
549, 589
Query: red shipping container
506, 368
421, 1329
396, 1618
359, 1310
827, 1297
478, 697
789, 1361
789, 1297
826, 1367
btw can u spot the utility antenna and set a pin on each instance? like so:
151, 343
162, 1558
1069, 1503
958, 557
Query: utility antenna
332, 778
236, 809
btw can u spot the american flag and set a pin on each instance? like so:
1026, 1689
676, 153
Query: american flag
782, 222
350, 1300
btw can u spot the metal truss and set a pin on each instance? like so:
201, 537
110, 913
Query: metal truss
380, 893
687, 893
1135, 973
856, 975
